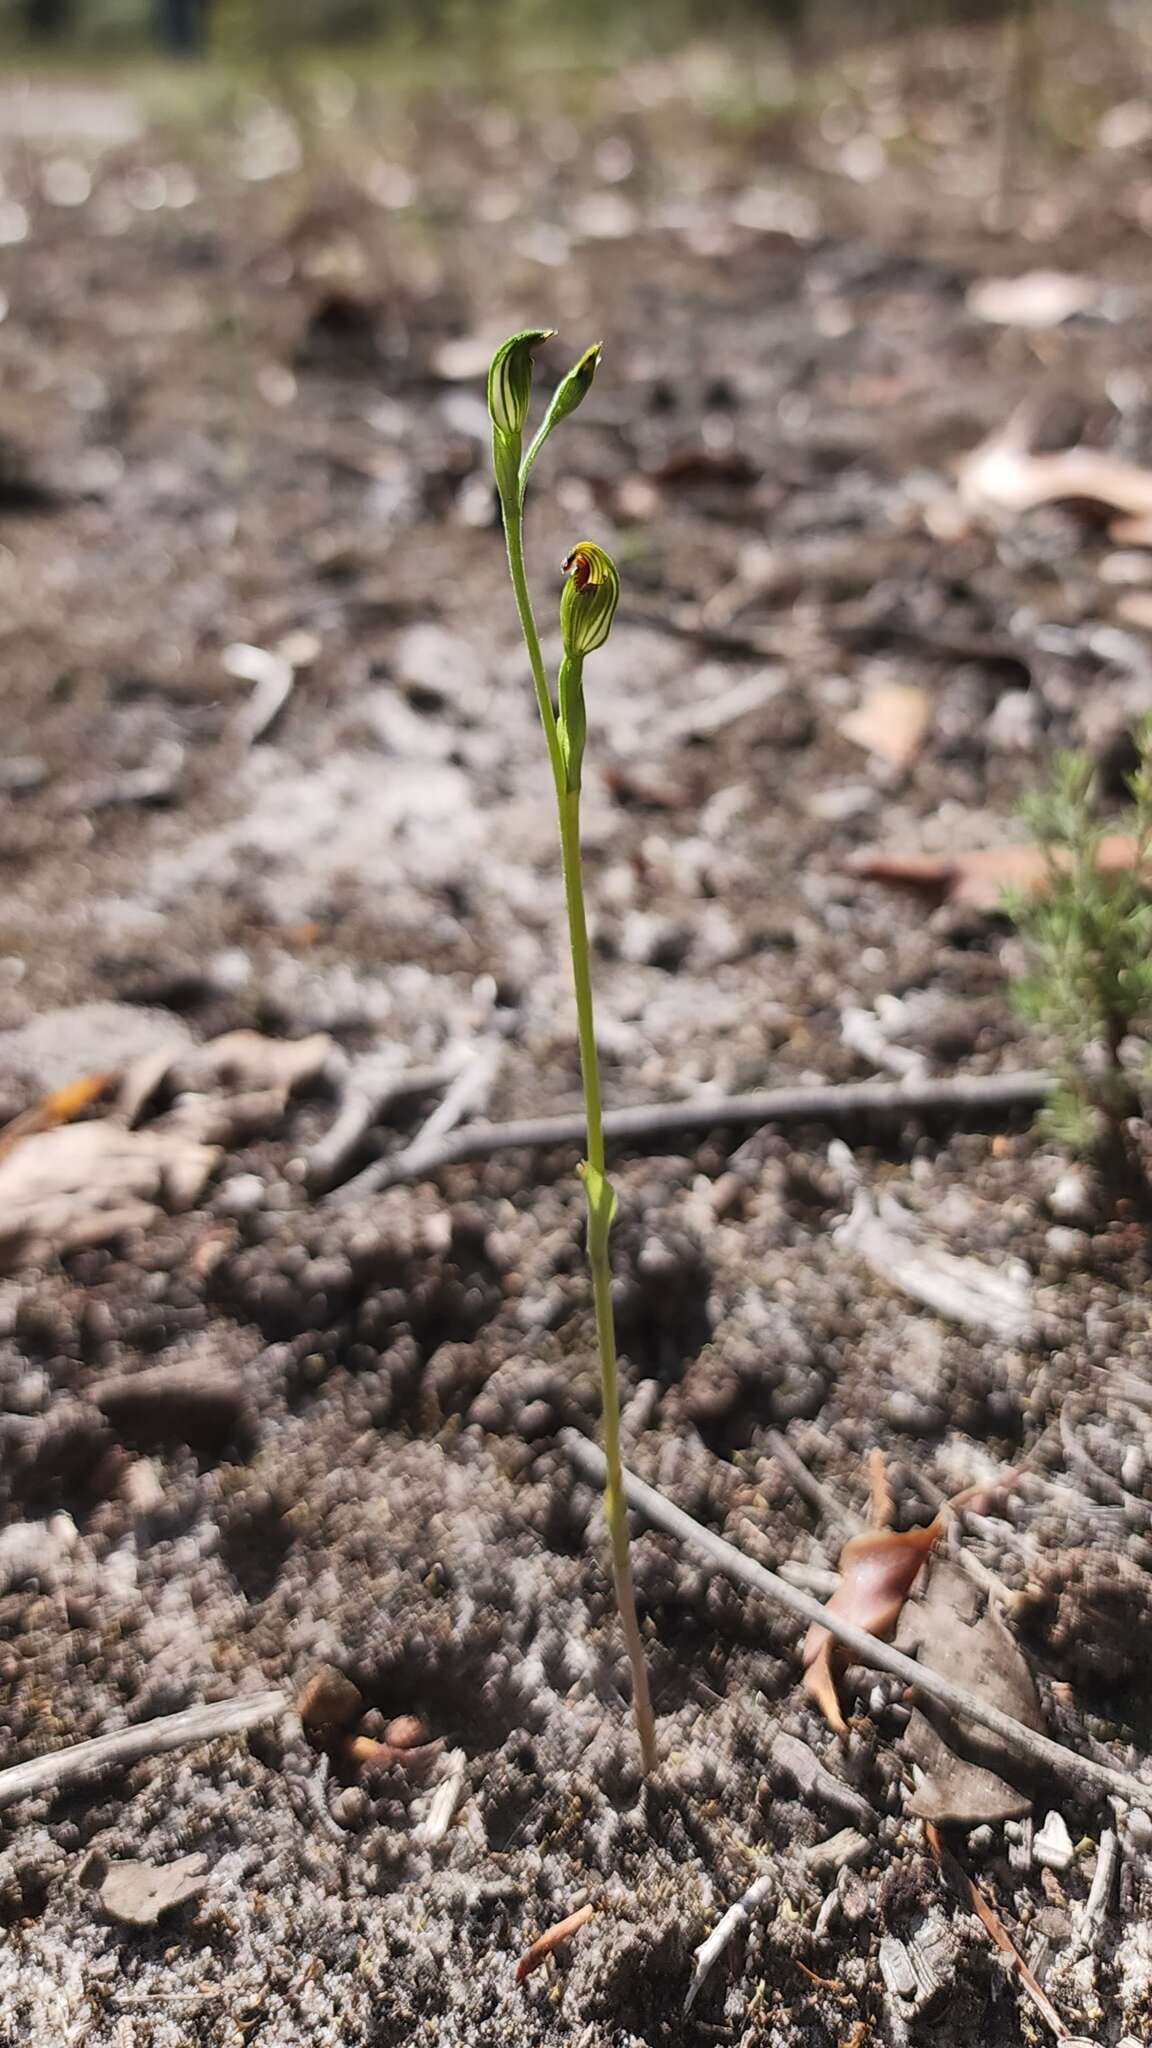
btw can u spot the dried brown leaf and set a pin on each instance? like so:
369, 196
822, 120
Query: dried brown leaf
877, 1573
949, 1630
980, 877
892, 722
1005, 476
62, 1106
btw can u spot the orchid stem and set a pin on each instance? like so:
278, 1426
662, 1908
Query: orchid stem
598, 1191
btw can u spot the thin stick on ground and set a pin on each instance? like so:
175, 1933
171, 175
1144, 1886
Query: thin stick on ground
995, 1929
553, 1938
369, 1089
1039, 1751
809, 1487
838, 1104
126, 1746
830, 1856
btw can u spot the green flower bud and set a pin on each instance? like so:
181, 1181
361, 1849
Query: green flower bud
570, 392
510, 379
573, 388
589, 599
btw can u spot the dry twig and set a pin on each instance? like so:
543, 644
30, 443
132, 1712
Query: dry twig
808, 1486
468, 1093
553, 1938
832, 1855
369, 1090
997, 1932
129, 1745
822, 1103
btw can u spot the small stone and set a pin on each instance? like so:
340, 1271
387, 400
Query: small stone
30, 1394
1071, 1247
1071, 1199
406, 1731
855, 1899
350, 1807
846, 800
329, 1703
896, 1968
142, 1487
1014, 725
536, 1419
1052, 1845
139, 1894
647, 940
241, 1195
920, 1418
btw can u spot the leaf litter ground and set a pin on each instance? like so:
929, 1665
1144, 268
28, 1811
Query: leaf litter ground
243, 418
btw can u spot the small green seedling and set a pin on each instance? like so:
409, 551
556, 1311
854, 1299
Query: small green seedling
587, 608
1089, 943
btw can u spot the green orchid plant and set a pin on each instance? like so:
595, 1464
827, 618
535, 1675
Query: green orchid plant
587, 608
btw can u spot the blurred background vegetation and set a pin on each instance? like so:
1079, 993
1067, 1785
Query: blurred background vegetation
111, 27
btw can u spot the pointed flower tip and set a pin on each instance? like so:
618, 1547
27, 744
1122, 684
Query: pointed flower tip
574, 386
589, 599
510, 378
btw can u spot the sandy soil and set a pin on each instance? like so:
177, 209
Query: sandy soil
243, 408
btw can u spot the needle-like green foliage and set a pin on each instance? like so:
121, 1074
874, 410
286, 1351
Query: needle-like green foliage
1088, 938
587, 608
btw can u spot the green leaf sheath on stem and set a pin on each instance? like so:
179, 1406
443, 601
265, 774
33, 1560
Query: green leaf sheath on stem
573, 719
587, 608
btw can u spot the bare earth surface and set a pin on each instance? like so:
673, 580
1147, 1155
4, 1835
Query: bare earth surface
271, 765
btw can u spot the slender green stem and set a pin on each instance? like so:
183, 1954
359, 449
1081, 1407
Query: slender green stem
531, 453
600, 1205
598, 1192
514, 540
582, 974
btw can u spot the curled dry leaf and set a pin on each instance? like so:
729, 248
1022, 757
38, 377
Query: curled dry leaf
1003, 475
62, 1106
968, 1778
551, 1940
877, 1573
87, 1183
980, 878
